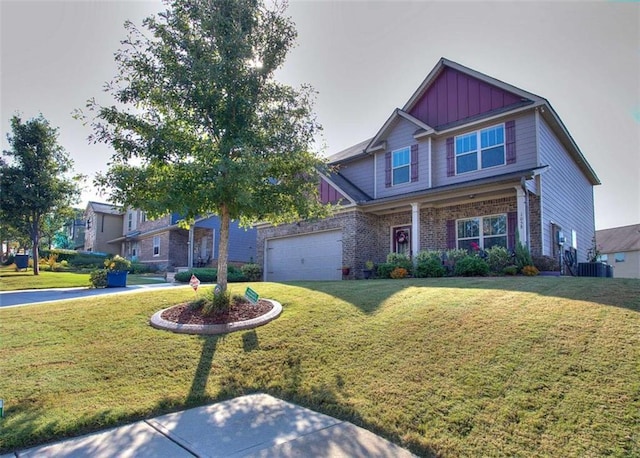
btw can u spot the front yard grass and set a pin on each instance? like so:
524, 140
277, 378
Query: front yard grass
518, 366
10, 280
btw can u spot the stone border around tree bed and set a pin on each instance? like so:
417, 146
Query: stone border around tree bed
158, 322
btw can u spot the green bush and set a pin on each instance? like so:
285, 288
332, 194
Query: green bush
471, 266
139, 268
523, 257
98, 278
498, 258
217, 303
252, 272
87, 260
400, 260
546, 263
429, 268
384, 270
209, 275
510, 270
61, 254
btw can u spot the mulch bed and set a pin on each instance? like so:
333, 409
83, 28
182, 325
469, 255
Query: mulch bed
239, 311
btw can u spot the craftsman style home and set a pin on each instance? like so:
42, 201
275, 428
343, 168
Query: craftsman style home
467, 160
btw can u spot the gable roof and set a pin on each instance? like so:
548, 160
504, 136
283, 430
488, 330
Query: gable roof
99, 207
504, 98
619, 239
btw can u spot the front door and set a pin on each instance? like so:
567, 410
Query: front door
401, 242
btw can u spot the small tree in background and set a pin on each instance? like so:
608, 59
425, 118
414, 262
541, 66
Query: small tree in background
202, 127
34, 182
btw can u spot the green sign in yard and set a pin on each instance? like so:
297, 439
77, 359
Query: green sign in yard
251, 295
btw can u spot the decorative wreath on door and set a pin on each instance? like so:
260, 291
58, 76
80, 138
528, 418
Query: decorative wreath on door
402, 237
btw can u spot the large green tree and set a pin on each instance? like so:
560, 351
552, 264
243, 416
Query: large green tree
34, 179
202, 127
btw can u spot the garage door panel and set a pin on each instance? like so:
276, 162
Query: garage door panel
316, 256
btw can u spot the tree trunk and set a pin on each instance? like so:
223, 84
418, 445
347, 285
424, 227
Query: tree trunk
36, 260
223, 248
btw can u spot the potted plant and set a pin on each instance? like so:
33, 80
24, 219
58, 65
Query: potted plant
117, 270
367, 272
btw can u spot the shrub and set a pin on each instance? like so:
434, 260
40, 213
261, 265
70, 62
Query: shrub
429, 268
117, 263
252, 272
218, 303
510, 270
139, 268
400, 260
235, 275
384, 270
530, 271
471, 266
399, 272
546, 263
498, 258
429, 255
87, 260
10, 260
98, 278
206, 275
523, 257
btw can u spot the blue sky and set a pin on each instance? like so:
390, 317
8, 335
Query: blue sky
365, 59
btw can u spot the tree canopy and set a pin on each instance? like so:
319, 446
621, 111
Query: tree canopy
200, 125
33, 181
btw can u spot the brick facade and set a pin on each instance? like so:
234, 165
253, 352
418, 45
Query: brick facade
367, 236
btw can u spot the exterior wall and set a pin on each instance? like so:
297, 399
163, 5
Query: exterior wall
629, 268
401, 136
104, 227
360, 173
150, 225
145, 245
178, 248
454, 96
566, 195
242, 242
526, 155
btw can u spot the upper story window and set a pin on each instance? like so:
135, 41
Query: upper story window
130, 220
401, 166
480, 150
143, 217
482, 232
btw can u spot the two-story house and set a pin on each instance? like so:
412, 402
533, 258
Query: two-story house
103, 223
164, 244
467, 159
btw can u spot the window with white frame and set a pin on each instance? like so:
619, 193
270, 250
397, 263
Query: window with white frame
482, 232
129, 220
618, 257
480, 150
401, 166
156, 246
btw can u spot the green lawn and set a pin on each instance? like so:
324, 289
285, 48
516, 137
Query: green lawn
10, 280
519, 366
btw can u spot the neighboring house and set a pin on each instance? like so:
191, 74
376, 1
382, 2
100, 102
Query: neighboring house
165, 245
74, 229
103, 223
620, 247
468, 159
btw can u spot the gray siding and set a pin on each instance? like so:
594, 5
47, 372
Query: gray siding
566, 194
525, 151
401, 136
360, 173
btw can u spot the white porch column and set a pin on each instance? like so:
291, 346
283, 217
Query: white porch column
521, 199
190, 247
415, 229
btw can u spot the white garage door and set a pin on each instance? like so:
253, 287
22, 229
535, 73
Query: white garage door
316, 256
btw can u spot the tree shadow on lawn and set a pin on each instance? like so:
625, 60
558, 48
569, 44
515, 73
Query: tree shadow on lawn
369, 295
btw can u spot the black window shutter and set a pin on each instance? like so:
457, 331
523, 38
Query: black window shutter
387, 169
451, 166
510, 141
512, 224
414, 163
451, 234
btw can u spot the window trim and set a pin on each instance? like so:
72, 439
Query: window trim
479, 150
481, 237
407, 165
156, 245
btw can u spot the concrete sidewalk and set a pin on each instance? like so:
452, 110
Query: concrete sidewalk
256, 425
36, 296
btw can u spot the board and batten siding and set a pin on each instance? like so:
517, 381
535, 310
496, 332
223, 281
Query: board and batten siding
525, 151
360, 173
401, 136
566, 195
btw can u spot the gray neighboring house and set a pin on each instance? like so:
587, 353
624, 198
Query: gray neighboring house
103, 222
468, 159
620, 247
